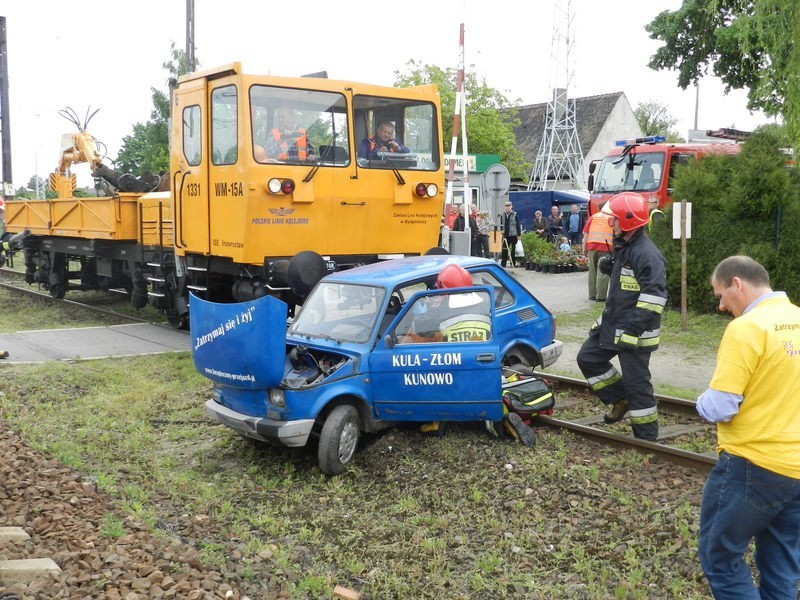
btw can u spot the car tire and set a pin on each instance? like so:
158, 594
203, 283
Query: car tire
338, 439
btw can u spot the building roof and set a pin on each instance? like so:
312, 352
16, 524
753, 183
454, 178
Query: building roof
591, 113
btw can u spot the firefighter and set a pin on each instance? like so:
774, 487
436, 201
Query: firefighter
630, 324
459, 319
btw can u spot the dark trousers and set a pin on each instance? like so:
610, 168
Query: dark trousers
575, 237
480, 246
633, 384
509, 245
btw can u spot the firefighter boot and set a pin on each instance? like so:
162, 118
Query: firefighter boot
3, 353
616, 412
517, 428
435, 427
645, 431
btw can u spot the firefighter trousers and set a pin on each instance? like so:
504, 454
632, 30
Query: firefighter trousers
611, 386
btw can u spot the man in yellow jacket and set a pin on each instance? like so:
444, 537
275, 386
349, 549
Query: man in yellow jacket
753, 492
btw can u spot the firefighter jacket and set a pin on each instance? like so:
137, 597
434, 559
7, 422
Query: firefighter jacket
636, 297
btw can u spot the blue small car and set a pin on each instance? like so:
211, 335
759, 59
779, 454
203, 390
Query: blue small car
358, 358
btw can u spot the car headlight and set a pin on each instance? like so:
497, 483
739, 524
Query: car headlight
277, 397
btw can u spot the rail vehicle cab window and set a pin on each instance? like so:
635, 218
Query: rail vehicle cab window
394, 133
192, 146
292, 126
224, 141
640, 171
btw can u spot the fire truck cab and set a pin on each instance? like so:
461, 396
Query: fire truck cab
645, 165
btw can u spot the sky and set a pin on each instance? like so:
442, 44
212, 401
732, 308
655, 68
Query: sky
90, 53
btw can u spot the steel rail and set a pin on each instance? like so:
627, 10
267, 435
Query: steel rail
702, 462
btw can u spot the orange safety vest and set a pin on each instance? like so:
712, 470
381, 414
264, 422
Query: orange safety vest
298, 137
600, 235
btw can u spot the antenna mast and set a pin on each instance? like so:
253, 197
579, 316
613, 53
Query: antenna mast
560, 157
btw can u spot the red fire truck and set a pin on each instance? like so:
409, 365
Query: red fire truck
645, 165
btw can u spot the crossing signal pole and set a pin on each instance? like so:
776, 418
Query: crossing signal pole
459, 115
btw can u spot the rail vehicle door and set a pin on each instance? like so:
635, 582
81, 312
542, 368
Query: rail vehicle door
190, 166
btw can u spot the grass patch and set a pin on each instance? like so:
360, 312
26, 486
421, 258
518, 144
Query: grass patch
462, 516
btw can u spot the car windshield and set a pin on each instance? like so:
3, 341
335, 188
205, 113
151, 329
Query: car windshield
340, 312
639, 171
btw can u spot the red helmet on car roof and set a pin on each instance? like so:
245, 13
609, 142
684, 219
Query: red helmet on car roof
453, 276
630, 209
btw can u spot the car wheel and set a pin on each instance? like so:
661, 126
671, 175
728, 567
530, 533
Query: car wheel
338, 439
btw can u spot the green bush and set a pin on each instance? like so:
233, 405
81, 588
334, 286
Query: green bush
741, 204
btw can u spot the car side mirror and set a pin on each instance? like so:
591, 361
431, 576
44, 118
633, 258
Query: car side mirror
389, 340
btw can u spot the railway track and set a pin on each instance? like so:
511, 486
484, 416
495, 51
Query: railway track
684, 438
101, 303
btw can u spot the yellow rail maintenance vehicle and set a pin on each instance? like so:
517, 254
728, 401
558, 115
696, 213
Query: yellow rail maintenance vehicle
274, 182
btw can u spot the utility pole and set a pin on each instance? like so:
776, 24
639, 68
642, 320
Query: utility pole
5, 119
190, 36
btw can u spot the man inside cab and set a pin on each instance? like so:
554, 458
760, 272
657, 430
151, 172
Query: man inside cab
285, 141
382, 141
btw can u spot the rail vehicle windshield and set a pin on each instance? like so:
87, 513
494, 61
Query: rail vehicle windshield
296, 126
639, 172
395, 133
340, 312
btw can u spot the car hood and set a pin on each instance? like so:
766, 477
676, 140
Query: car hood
241, 345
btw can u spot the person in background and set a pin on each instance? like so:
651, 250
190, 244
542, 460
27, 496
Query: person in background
753, 491
630, 325
4, 247
285, 141
539, 225
382, 141
574, 225
555, 226
481, 227
598, 239
459, 222
511, 232
563, 244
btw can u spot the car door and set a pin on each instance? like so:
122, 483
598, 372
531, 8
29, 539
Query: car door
419, 372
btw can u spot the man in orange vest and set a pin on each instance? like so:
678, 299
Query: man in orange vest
598, 242
285, 141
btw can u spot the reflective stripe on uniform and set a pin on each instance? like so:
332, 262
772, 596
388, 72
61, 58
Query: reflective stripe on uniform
466, 328
627, 280
598, 382
643, 415
645, 340
652, 303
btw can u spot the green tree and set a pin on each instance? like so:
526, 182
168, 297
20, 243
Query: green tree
748, 45
748, 203
490, 118
146, 149
655, 119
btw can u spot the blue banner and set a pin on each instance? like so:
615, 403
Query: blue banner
241, 345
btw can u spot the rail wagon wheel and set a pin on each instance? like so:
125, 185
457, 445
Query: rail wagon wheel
338, 439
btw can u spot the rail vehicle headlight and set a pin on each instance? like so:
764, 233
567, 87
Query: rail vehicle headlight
278, 186
287, 187
277, 397
426, 190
